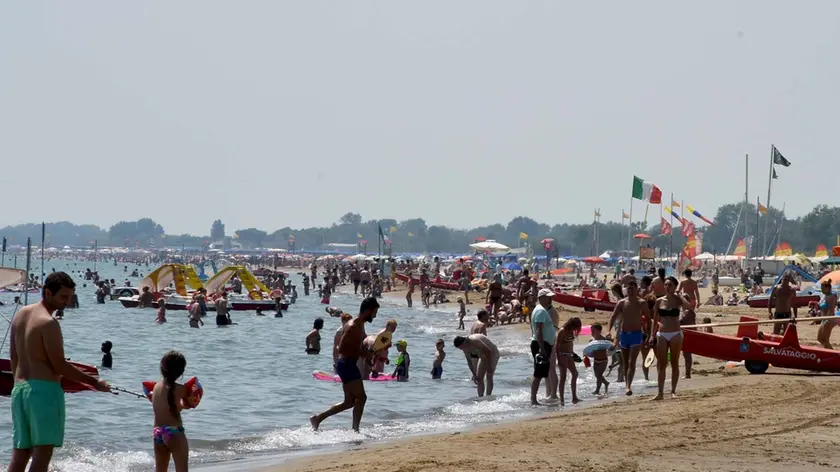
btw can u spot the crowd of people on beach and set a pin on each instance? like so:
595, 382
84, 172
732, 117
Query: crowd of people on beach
650, 315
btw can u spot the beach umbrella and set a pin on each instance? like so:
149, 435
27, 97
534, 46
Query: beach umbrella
706, 256
593, 260
511, 266
643, 236
833, 276
489, 245
562, 271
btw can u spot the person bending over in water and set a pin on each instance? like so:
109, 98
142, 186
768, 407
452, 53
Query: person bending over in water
167, 403
313, 339
629, 312
488, 359
350, 349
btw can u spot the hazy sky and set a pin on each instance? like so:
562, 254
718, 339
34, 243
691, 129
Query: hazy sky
276, 113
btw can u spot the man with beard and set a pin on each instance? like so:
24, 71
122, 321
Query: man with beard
350, 349
38, 364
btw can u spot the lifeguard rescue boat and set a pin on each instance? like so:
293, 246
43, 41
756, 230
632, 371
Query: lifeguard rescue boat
759, 354
589, 300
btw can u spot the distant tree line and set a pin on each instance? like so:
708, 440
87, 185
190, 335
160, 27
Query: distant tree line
820, 226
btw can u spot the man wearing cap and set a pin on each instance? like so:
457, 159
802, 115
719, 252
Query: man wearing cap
543, 338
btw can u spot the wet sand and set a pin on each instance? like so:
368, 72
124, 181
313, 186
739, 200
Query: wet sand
723, 420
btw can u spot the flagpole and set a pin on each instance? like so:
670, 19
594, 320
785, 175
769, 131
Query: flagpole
671, 236
769, 187
746, 205
757, 216
630, 224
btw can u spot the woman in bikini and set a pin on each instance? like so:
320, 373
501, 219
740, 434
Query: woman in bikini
827, 306
667, 334
564, 350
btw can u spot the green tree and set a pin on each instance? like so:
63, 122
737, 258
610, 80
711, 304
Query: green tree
217, 231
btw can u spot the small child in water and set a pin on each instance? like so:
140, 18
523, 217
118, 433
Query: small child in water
161, 315
599, 361
440, 355
107, 359
403, 361
167, 403
462, 312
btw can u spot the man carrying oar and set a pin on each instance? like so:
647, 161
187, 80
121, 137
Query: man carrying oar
38, 363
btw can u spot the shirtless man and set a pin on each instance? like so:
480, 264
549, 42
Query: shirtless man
629, 311
38, 364
364, 279
222, 313
146, 299
488, 359
688, 286
494, 296
781, 297
355, 277
350, 349
658, 284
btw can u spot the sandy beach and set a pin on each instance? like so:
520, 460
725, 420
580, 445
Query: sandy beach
723, 420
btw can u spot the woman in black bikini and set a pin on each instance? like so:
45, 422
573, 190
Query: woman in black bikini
564, 348
667, 334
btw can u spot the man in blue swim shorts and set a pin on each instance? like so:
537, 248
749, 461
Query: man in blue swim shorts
38, 364
629, 313
350, 349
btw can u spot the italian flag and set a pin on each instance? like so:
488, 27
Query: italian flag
646, 191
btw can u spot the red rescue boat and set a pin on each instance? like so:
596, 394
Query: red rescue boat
801, 299
7, 380
589, 300
758, 354
432, 283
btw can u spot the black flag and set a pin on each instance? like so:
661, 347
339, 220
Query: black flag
779, 159
775, 175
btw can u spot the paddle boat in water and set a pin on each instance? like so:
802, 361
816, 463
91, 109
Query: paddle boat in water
759, 352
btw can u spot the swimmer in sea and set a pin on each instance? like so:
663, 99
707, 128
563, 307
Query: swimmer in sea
440, 355
161, 313
313, 339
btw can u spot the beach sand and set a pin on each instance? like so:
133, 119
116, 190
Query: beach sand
723, 420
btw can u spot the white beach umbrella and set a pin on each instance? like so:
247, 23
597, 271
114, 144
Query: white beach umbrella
489, 244
706, 256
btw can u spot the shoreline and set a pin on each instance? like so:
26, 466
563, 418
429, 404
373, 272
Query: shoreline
723, 419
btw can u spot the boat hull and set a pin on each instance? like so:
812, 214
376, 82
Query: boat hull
786, 354
587, 303
7, 381
235, 305
453, 286
800, 300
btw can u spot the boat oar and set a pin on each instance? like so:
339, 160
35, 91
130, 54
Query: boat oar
760, 322
117, 390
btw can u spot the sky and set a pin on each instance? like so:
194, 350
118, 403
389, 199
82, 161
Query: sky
292, 113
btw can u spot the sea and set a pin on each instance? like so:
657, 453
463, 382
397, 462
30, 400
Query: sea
258, 383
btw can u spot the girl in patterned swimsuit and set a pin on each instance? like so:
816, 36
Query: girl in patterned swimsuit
167, 398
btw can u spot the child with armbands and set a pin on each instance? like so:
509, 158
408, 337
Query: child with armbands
168, 399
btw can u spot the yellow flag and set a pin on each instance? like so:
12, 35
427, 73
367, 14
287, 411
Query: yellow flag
624, 216
359, 235
393, 229
523, 236
410, 233
675, 204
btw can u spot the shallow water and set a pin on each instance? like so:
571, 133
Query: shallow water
259, 390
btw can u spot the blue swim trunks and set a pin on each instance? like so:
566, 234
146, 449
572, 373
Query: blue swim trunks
629, 339
37, 414
437, 372
347, 370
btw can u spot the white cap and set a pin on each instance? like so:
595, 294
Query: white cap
545, 293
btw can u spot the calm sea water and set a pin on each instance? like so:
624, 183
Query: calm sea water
259, 389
